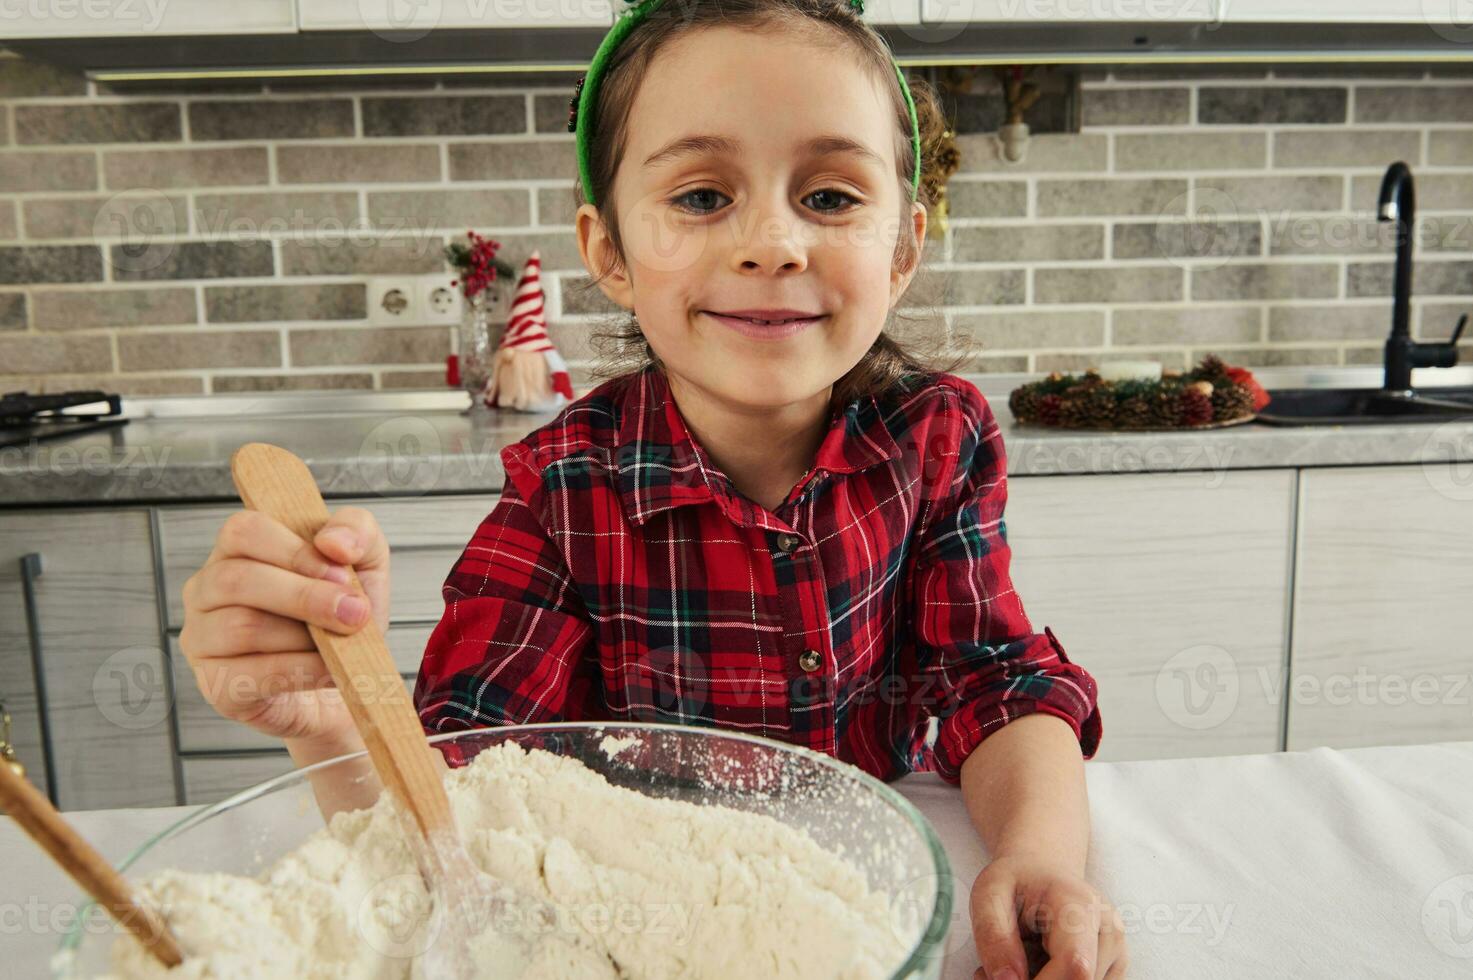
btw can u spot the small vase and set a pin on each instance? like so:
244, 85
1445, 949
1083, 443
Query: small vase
476, 345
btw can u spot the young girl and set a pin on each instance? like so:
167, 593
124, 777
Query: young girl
777, 521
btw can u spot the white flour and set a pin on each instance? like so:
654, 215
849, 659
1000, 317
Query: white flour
642, 887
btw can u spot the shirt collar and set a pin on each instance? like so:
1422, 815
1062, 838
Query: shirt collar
660, 465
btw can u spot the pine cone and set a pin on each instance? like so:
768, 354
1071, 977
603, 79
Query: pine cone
1133, 413
1088, 405
1231, 402
1213, 369
1196, 408
1048, 409
1023, 403
1165, 407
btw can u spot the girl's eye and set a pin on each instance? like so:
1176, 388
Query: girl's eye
700, 198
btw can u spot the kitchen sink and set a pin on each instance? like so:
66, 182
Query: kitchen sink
1364, 406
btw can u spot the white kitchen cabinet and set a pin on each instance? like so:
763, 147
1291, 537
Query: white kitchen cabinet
91, 631
144, 18
408, 18
1383, 607
1169, 588
1342, 12
1044, 12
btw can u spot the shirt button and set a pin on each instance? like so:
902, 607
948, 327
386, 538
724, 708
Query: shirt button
810, 660
788, 543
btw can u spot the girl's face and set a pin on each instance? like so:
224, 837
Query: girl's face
759, 174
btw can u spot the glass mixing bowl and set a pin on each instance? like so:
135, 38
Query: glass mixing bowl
840, 806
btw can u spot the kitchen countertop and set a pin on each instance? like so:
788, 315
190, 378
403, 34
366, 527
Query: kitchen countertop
175, 450
1339, 863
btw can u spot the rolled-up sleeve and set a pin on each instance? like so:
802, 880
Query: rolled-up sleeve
974, 644
514, 644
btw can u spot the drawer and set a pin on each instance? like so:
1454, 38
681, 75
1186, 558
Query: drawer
201, 728
211, 779
426, 535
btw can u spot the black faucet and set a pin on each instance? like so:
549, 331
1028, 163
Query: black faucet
1399, 203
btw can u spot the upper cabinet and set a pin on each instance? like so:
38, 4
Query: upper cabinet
408, 18
1429, 12
147, 18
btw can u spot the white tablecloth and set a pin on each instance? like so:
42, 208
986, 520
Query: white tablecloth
1326, 863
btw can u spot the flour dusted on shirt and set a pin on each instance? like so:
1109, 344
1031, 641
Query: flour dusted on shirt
639, 887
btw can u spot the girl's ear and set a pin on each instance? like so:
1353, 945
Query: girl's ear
900, 278
599, 254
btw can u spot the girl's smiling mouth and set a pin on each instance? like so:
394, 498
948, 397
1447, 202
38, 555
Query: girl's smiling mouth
766, 324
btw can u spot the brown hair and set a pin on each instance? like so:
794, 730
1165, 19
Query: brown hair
624, 349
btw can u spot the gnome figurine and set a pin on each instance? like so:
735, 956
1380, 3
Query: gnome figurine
527, 373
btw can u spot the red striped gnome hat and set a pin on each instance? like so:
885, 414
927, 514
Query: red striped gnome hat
526, 324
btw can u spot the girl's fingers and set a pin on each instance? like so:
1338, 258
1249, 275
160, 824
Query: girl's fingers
352, 536
234, 630
241, 687
247, 582
1068, 919
251, 534
995, 926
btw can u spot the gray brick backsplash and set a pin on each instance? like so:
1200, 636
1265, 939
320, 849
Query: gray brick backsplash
263, 213
1127, 284
1136, 107
339, 164
1428, 278
1412, 103
1125, 195
453, 209
1450, 148
1029, 329
1191, 151
1346, 147
1047, 153
1435, 191
190, 260
122, 216
317, 380
369, 345
263, 304
53, 353
92, 308
1197, 323
162, 169
1028, 243
220, 236
199, 349
42, 171
1179, 238
1341, 321
514, 160
362, 255
1239, 106
456, 115
991, 198
141, 122
22, 264
1256, 280
277, 120
12, 311
1245, 196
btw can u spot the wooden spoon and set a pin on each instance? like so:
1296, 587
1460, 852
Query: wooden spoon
79, 859
277, 483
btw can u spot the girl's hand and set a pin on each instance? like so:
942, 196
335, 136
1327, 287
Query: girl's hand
244, 614
1081, 934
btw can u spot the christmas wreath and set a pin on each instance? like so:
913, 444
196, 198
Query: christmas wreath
1212, 393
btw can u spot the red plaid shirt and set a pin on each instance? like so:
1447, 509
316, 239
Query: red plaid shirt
622, 576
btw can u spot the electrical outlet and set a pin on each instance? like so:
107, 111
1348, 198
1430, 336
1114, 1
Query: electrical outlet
395, 300
439, 300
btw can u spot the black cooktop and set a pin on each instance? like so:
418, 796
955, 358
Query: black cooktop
25, 417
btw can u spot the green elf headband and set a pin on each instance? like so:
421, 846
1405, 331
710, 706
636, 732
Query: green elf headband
585, 94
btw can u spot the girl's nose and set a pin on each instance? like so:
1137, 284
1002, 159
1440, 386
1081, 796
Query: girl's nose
774, 240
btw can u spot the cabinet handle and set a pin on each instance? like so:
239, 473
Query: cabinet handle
30, 569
